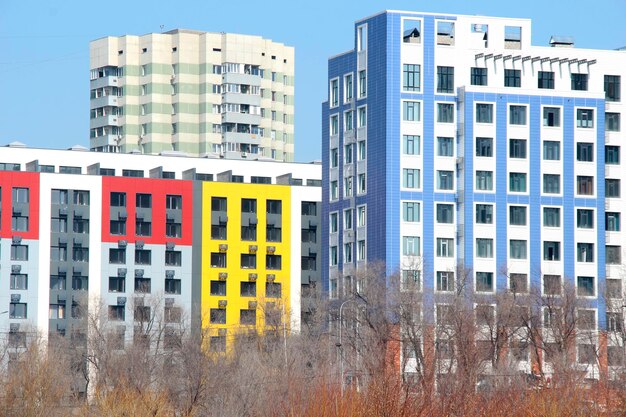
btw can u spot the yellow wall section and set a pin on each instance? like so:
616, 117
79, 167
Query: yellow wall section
234, 192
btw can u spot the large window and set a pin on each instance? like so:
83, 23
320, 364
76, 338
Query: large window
612, 221
445, 281
411, 111
411, 211
484, 248
484, 180
584, 218
551, 217
484, 113
517, 215
551, 183
334, 93
445, 113
612, 188
484, 281
411, 245
445, 79
411, 144
580, 82
551, 150
19, 252
411, 77
362, 83
118, 199
445, 213
478, 76
613, 255
546, 80
348, 88
551, 251
585, 286
484, 213
410, 178
518, 249
517, 182
517, 115
512, 78
612, 86
612, 122
484, 147
584, 152
517, 148
584, 118
552, 116
584, 252
445, 180
584, 185
445, 146
445, 247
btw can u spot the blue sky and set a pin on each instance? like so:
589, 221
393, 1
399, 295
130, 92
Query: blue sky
44, 65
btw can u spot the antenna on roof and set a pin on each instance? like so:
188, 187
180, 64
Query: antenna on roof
162, 26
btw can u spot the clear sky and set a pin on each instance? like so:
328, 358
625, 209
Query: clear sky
44, 63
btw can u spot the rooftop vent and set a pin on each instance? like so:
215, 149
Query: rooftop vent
78, 148
16, 144
562, 41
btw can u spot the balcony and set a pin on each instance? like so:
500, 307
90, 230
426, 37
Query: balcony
238, 98
236, 137
109, 120
105, 101
105, 140
236, 78
111, 81
241, 118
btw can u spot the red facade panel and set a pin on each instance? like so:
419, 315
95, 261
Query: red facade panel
14, 179
159, 189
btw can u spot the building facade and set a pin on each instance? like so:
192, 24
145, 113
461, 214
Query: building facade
195, 92
189, 242
451, 140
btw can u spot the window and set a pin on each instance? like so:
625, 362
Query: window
143, 200
517, 115
551, 150
612, 222
584, 218
80, 254
248, 233
143, 256
546, 80
484, 213
445, 213
59, 196
584, 185
218, 288
334, 125
174, 202
274, 206
247, 317
362, 117
173, 229
551, 251
58, 253
348, 188
19, 281
17, 311
484, 113
347, 252
517, 215
411, 246
551, 217
411, 77
248, 289
584, 118
117, 284
19, 252
484, 180
612, 87
360, 219
411, 144
585, 286
273, 262
579, 81
347, 219
484, 248
484, 147
517, 148
173, 258
551, 184
584, 252
613, 255
478, 76
58, 224
248, 205
611, 155
445, 79
411, 111
118, 199
410, 178
172, 286
334, 93
551, 116
411, 212
361, 151
334, 256
19, 223
218, 204
612, 188
81, 198
362, 83
273, 290
517, 182
517, 249
80, 225
584, 152
143, 228
411, 279
334, 158
445, 247
484, 281
348, 88
348, 120
217, 316
445, 180
143, 285
512, 78
518, 283
117, 227
117, 313
445, 281
333, 223
445, 113
348, 153
552, 284
612, 122
360, 250
273, 233
20, 195
614, 324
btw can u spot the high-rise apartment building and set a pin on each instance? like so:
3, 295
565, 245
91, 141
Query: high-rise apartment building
222, 244
200, 93
451, 140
